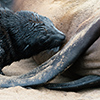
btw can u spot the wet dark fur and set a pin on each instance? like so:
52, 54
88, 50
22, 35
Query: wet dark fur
23, 34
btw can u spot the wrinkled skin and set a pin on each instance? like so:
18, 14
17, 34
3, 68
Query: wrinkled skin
66, 20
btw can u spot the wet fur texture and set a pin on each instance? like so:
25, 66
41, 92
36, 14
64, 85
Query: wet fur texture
24, 33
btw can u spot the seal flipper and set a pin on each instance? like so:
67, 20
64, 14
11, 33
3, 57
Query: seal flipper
89, 81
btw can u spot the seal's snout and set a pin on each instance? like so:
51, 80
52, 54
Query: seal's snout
62, 37
60, 34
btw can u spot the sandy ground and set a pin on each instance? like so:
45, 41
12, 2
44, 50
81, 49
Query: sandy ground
20, 93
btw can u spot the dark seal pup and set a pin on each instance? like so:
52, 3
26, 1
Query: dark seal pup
24, 34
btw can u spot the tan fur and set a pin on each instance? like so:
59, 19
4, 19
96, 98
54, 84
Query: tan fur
68, 15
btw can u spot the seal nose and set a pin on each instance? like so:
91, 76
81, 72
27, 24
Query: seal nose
62, 36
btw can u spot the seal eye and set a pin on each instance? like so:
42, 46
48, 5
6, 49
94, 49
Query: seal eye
42, 40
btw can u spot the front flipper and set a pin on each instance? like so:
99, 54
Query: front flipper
89, 81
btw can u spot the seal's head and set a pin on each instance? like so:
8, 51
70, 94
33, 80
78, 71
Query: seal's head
30, 33
37, 33
47, 35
